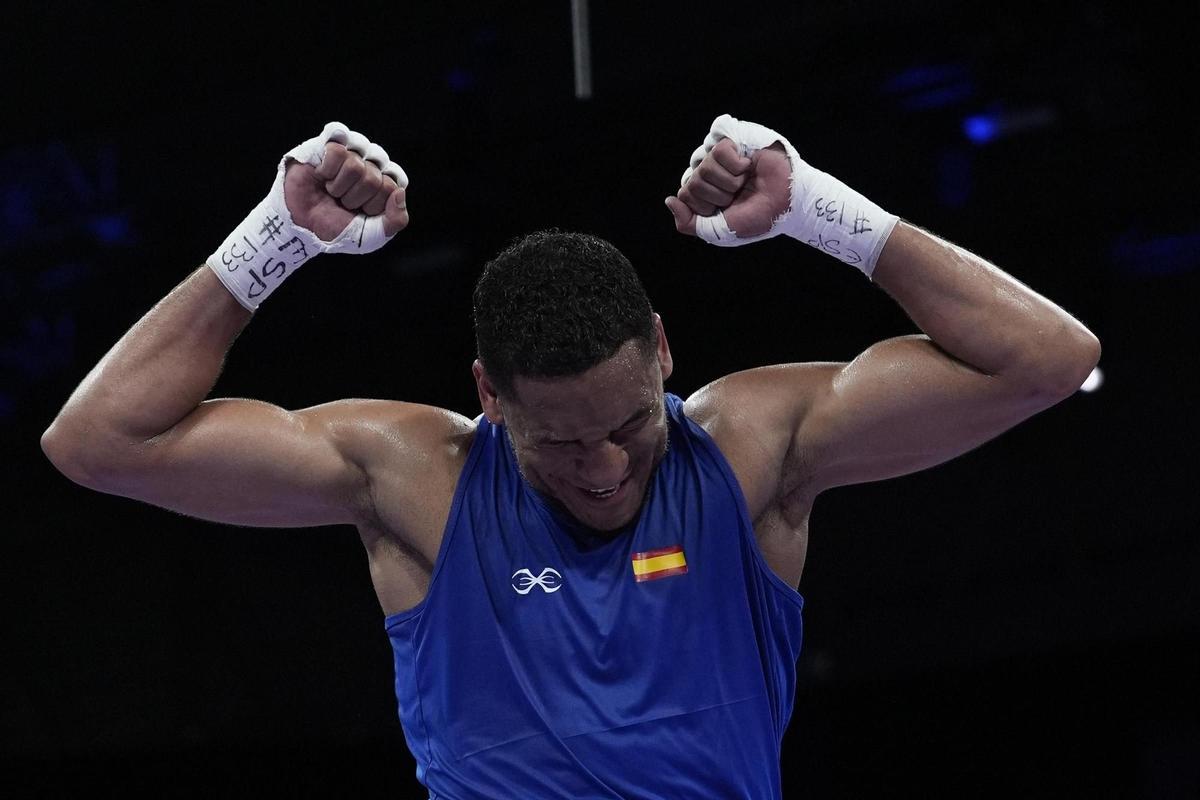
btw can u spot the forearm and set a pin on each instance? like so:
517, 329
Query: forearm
155, 375
981, 315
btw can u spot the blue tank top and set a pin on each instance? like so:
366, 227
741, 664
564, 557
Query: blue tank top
544, 663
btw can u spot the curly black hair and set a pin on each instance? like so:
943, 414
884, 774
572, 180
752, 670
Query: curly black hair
556, 303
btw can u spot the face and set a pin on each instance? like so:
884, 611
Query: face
590, 442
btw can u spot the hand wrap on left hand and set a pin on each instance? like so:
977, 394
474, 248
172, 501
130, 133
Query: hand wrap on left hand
824, 212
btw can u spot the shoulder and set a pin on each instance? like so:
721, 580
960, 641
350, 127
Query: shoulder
369, 431
754, 415
412, 446
365, 422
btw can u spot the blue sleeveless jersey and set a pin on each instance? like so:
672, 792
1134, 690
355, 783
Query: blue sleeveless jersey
544, 663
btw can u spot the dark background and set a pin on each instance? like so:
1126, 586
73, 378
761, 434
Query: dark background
1021, 622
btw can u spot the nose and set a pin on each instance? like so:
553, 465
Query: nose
602, 465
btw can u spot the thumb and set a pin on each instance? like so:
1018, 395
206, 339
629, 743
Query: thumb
395, 213
685, 219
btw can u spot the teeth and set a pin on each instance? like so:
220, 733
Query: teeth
603, 492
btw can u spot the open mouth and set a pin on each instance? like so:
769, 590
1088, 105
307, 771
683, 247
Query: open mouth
606, 493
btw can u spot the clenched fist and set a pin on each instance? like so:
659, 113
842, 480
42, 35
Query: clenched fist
752, 192
334, 193
326, 197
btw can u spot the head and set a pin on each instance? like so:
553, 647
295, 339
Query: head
572, 361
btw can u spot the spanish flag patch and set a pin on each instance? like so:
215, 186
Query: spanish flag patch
663, 563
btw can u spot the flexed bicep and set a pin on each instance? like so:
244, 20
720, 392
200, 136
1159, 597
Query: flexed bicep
902, 406
246, 462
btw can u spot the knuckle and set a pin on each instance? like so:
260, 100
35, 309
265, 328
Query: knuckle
334, 153
331, 162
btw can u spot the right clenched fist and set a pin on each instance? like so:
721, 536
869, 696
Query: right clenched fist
324, 198
334, 193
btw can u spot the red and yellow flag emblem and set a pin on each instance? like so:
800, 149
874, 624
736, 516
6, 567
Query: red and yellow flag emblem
654, 564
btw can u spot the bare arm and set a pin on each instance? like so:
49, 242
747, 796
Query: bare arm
993, 353
137, 426
151, 379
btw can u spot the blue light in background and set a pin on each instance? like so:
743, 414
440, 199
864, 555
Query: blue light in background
61, 215
939, 98
982, 128
930, 86
923, 76
111, 229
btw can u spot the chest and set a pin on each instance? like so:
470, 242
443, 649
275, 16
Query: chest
402, 566
609, 606
658, 611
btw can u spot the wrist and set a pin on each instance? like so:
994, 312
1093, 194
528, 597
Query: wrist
261, 252
834, 218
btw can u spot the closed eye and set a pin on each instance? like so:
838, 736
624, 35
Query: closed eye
628, 428
637, 423
633, 427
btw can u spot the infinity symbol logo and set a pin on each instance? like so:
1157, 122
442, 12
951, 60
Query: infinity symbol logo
551, 580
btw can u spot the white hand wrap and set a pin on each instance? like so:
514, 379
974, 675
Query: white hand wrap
268, 246
824, 212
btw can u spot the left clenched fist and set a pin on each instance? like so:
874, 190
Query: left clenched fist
750, 191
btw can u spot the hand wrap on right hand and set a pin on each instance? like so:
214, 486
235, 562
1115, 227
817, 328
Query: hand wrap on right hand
268, 245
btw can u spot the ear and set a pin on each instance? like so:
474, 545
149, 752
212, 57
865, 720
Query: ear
489, 400
663, 350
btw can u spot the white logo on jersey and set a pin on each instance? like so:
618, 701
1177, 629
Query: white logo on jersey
551, 580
